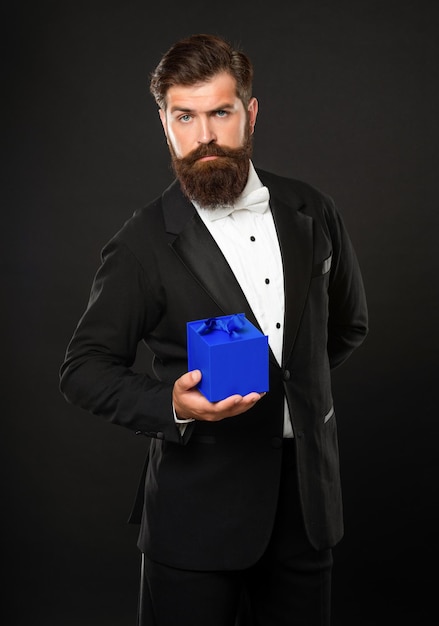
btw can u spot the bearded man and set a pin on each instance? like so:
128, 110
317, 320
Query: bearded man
241, 498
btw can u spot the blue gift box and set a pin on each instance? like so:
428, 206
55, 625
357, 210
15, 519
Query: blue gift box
231, 353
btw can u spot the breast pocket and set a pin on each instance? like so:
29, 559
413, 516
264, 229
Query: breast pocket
322, 268
328, 415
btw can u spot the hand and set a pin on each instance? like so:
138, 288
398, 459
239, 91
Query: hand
189, 402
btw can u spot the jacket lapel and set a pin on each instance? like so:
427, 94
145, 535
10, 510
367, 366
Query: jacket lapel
196, 248
294, 230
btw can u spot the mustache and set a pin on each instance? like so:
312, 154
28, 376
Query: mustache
210, 149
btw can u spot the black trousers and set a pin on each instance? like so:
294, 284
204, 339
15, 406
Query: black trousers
289, 586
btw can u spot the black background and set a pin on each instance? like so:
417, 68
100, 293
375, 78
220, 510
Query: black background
348, 95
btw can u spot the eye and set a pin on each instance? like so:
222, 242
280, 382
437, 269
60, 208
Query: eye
185, 118
222, 113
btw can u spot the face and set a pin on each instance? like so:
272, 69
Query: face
209, 135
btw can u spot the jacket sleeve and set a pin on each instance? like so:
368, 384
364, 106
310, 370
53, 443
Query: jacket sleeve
348, 315
96, 374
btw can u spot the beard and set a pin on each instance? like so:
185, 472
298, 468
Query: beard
218, 182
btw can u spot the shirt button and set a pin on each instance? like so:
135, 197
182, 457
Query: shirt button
277, 325
286, 375
252, 238
267, 281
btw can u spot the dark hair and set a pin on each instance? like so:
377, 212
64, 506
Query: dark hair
197, 59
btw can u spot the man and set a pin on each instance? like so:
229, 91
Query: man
241, 497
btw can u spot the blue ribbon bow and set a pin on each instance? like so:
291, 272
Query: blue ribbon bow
231, 325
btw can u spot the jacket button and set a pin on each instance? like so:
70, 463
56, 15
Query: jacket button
286, 375
276, 442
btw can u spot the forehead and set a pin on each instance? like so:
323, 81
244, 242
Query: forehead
218, 91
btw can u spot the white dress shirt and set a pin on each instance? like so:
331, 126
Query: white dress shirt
248, 241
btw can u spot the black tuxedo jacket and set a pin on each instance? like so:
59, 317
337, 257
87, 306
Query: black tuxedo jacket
210, 495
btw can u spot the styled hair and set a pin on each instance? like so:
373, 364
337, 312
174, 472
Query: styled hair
197, 59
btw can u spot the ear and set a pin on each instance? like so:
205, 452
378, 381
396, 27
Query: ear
252, 113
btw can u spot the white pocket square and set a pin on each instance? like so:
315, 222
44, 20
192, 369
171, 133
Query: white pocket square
328, 415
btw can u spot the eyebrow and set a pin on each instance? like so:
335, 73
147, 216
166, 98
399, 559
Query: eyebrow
182, 109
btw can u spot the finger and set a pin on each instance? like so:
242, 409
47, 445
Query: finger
254, 396
237, 403
188, 380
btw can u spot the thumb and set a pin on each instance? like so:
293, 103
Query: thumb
189, 380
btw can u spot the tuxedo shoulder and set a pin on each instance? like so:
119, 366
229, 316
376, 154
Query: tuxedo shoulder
287, 187
141, 234
142, 220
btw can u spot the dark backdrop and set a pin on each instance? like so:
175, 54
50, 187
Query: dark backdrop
349, 102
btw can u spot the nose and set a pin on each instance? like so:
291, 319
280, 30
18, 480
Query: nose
206, 132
